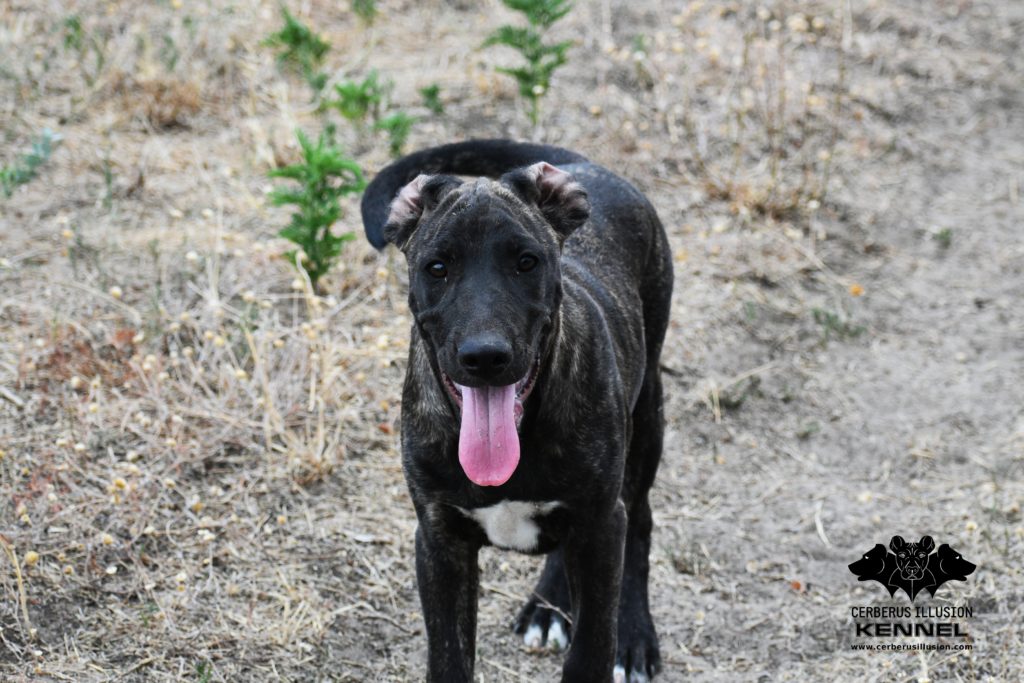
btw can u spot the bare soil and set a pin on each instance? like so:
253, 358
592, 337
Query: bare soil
199, 476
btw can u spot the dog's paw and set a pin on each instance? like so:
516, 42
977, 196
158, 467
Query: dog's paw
542, 627
638, 659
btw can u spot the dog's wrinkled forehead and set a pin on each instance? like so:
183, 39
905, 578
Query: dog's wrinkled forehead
475, 209
541, 200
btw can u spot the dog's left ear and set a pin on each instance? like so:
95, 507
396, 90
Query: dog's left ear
423, 194
561, 199
926, 544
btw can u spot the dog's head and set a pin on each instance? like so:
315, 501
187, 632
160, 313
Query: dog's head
872, 564
484, 288
952, 565
912, 558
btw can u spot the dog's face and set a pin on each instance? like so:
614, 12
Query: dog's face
952, 565
871, 564
912, 558
484, 288
484, 280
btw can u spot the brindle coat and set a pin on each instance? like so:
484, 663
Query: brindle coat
592, 314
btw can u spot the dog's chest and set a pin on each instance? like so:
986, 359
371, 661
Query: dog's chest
512, 524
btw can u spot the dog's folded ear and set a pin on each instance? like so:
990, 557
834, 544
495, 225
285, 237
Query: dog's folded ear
561, 199
420, 196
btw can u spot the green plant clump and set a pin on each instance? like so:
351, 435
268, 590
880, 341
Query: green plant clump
365, 10
324, 176
432, 98
359, 99
300, 48
78, 41
534, 78
25, 167
398, 126
834, 324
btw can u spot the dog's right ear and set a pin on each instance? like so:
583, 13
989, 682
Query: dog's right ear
896, 543
421, 195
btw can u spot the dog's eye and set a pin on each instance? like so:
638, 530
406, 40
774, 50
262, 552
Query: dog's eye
527, 262
437, 269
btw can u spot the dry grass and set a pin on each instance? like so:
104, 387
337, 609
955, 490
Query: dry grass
199, 466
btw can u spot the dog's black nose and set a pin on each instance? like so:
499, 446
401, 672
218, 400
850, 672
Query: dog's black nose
485, 357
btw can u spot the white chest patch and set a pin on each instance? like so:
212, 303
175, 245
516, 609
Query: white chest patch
512, 524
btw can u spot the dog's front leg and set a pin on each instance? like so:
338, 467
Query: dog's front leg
593, 562
448, 577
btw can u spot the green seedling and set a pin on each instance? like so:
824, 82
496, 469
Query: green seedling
833, 324
78, 41
27, 165
324, 176
398, 127
169, 53
204, 672
944, 238
808, 430
301, 49
359, 99
732, 397
365, 10
432, 98
74, 34
534, 78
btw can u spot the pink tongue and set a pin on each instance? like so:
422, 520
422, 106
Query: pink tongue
488, 442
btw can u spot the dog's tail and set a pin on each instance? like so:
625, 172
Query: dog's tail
472, 157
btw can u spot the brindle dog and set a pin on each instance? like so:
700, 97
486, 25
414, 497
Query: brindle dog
532, 407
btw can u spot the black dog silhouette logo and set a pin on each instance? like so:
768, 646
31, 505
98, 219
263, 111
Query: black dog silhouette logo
912, 566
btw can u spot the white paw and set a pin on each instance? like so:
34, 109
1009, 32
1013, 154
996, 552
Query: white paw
533, 637
557, 637
619, 675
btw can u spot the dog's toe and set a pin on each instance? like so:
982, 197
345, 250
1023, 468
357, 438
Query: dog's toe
534, 637
558, 638
619, 675
638, 660
542, 627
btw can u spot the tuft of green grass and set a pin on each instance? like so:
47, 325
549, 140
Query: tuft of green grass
78, 41
398, 126
324, 176
944, 238
204, 672
542, 59
25, 168
365, 10
300, 48
431, 95
835, 325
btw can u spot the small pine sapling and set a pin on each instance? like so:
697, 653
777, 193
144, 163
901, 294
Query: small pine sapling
324, 176
301, 49
534, 78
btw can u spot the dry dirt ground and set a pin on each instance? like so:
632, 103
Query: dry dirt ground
199, 477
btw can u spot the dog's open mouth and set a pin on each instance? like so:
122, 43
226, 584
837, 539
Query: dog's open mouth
489, 429
522, 389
